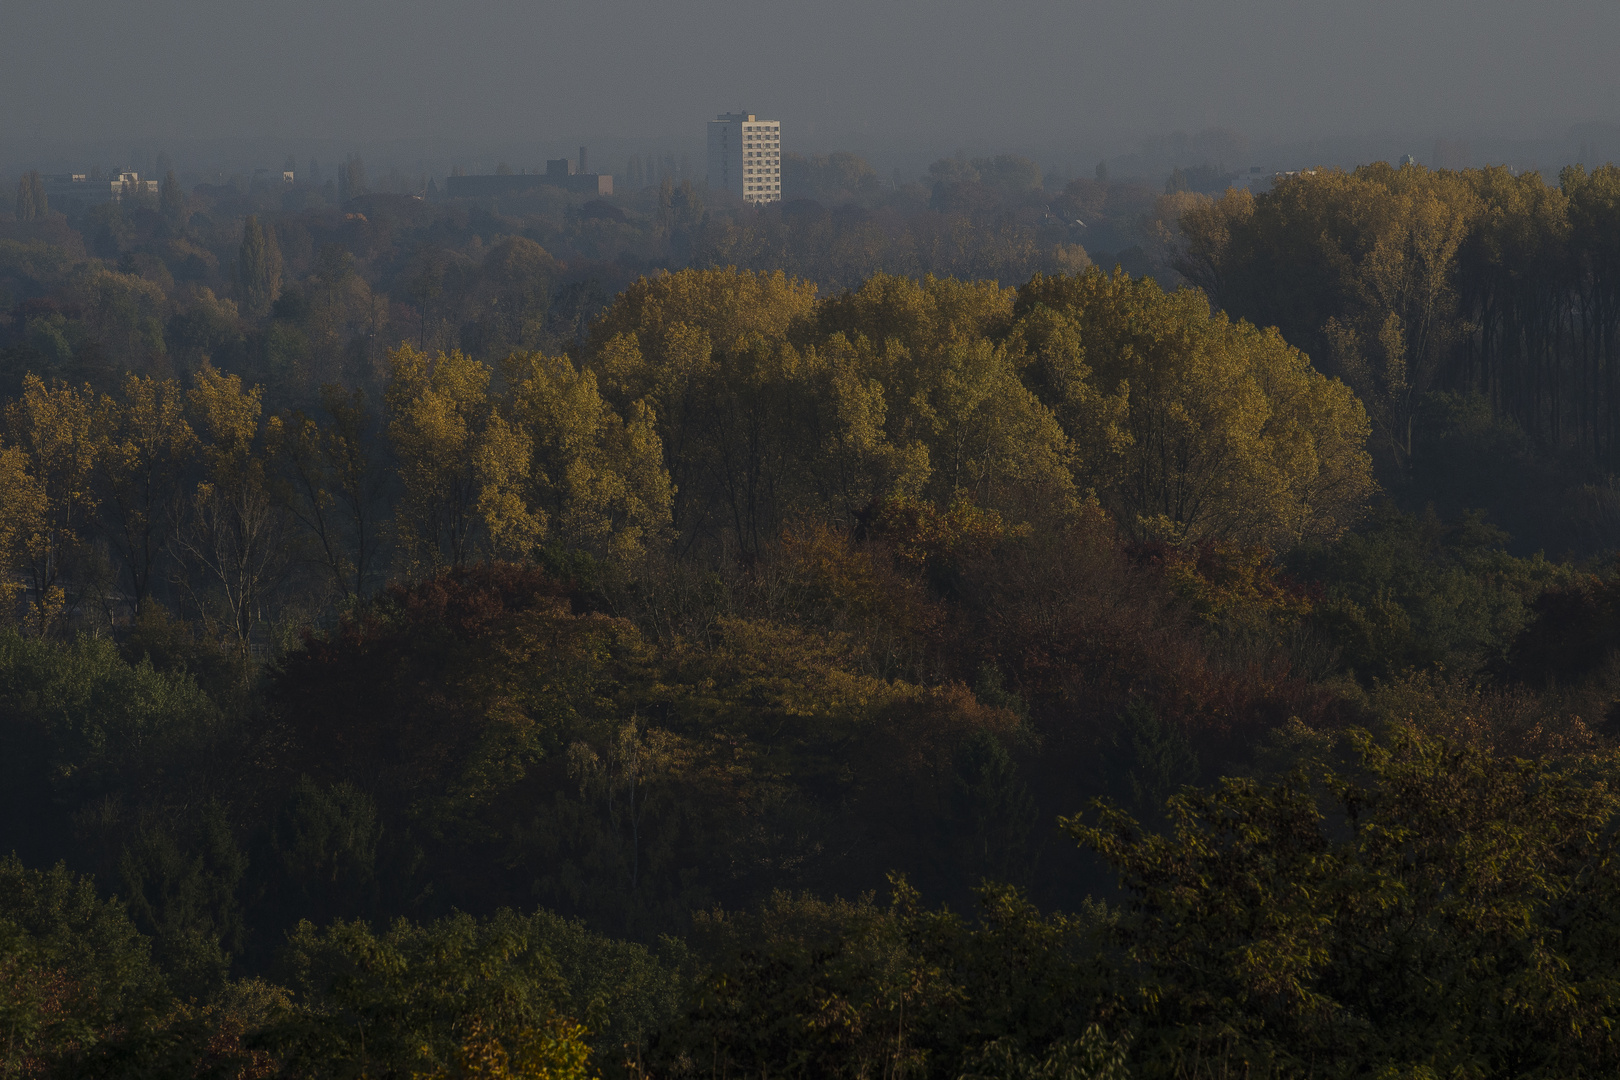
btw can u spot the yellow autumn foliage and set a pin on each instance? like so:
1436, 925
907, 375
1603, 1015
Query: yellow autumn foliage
1192, 427
554, 1051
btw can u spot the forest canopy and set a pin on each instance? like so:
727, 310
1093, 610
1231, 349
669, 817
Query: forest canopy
451, 638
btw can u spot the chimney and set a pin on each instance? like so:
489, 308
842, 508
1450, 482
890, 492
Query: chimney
582, 160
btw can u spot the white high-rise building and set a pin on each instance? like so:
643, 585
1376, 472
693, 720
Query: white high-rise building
745, 156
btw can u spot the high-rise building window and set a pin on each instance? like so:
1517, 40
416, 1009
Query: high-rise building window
745, 157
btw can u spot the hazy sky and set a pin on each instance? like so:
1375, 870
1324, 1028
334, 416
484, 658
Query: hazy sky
981, 74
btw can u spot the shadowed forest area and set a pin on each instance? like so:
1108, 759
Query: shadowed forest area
650, 636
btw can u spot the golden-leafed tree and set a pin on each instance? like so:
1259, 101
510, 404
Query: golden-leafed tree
232, 535
709, 351
556, 1050
52, 428
508, 298
123, 315
334, 485
923, 380
597, 480
1405, 313
1364, 269
144, 445
772, 408
856, 461
22, 512
464, 468
1192, 427
1205, 228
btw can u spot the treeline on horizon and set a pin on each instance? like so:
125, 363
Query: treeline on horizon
527, 270
917, 676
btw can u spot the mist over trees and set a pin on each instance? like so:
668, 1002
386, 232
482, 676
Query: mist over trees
982, 627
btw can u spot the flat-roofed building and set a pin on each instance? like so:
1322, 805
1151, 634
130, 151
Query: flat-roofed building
78, 187
560, 172
745, 156
457, 187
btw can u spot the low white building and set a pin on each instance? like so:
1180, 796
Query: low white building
745, 156
78, 187
130, 183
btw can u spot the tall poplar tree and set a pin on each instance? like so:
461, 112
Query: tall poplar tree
233, 536
463, 467
259, 267
171, 199
53, 426
351, 178
31, 202
143, 447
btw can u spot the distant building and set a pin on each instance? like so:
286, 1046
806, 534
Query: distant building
745, 156
560, 172
130, 183
267, 179
78, 187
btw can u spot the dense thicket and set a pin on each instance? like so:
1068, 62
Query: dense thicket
697, 687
